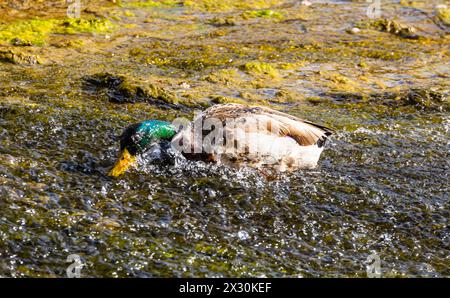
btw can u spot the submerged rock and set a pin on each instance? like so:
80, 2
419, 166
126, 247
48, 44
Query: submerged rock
420, 98
19, 42
425, 99
396, 28
222, 21
16, 57
443, 14
122, 89
260, 68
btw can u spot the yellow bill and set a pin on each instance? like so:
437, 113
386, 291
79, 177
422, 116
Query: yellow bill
126, 160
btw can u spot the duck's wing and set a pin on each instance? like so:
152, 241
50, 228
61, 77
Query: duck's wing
268, 121
304, 132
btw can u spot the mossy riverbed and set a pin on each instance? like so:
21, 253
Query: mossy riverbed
69, 86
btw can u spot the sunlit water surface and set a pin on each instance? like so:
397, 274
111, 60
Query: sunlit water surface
380, 188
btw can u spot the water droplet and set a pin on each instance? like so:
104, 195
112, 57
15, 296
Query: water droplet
104, 191
243, 235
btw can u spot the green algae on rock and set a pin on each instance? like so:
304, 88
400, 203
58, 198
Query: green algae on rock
427, 99
18, 57
222, 21
418, 98
72, 26
395, 28
122, 89
265, 13
229, 5
443, 14
33, 32
224, 76
219, 99
151, 4
37, 31
259, 68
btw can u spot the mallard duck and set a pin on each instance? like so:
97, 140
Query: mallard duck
231, 134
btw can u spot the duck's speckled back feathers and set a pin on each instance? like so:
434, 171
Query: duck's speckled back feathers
304, 132
254, 136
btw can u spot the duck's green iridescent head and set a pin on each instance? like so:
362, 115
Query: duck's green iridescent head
137, 138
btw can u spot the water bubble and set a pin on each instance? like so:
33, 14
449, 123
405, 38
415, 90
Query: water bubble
211, 193
243, 235
104, 191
